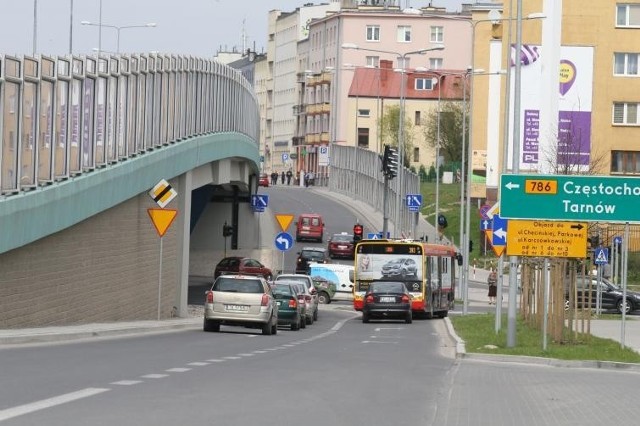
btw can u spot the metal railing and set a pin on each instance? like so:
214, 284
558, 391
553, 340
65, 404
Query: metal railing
61, 117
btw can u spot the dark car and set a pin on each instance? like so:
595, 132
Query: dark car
307, 255
387, 299
610, 293
242, 265
400, 267
341, 245
290, 309
263, 180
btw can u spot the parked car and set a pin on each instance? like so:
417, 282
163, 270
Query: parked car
341, 245
611, 295
326, 289
400, 267
310, 292
291, 311
309, 226
263, 180
387, 299
242, 265
241, 300
308, 255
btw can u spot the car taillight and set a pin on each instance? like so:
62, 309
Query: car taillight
265, 300
369, 299
405, 298
293, 303
209, 295
307, 298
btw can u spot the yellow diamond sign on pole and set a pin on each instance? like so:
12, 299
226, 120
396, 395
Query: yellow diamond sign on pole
284, 220
163, 193
162, 219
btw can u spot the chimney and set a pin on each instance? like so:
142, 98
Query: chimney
385, 66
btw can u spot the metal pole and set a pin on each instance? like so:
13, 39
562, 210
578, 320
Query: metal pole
435, 220
625, 260
397, 230
160, 281
385, 207
70, 27
100, 30
513, 260
545, 322
118, 39
35, 26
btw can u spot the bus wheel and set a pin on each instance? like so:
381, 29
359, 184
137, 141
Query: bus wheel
442, 314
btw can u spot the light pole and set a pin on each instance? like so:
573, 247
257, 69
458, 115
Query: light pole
118, 28
404, 57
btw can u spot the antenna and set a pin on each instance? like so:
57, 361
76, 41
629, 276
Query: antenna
243, 36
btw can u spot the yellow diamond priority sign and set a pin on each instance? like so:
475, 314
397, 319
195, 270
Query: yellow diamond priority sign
163, 193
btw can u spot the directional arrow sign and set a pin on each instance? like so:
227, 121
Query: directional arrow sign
284, 241
547, 239
499, 231
485, 225
570, 197
259, 200
414, 201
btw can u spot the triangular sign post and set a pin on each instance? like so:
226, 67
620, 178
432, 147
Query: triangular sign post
162, 219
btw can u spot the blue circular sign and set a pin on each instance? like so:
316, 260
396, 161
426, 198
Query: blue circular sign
617, 240
284, 241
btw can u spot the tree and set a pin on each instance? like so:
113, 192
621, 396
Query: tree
389, 124
452, 114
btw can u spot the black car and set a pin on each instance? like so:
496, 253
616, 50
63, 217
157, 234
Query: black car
387, 299
310, 254
611, 295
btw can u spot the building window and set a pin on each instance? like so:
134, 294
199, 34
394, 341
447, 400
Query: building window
363, 137
625, 64
373, 32
625, 162
373, 61
628, 15
435, 63
404, 63
437, 34
625, 113
416, 155
404, 33
364, 112
417, 118
424, 84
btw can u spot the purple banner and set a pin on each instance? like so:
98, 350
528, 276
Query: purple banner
574, 137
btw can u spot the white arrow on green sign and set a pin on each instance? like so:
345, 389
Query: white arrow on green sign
570, 198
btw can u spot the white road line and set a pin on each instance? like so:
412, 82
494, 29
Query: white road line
10, 413
155, 376
246, 354
231, 357
377, 341
216, 360
126, 382
177, 370
198, 364
259, 352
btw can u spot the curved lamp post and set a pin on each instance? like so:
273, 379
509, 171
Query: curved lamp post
118, 28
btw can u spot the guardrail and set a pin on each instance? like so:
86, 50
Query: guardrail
65, 116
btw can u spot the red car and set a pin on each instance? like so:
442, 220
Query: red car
242, 265
263, 180
341, 245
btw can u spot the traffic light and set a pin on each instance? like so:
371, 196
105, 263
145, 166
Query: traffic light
390, 162
227, 230
470, 246
357, 232
594, 241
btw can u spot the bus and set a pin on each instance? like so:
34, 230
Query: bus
427, 270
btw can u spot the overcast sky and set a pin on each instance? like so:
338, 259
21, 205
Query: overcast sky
193, 27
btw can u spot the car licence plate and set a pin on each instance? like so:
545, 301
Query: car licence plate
387, 299
236, 308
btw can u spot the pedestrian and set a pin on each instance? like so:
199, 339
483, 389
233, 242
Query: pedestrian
283, 176
289, 176
492, 280
306, 179
274, 177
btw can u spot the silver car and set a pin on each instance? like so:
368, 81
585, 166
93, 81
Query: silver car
311, 294
241, 300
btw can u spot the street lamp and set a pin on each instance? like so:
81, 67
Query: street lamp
118, 28
402, 70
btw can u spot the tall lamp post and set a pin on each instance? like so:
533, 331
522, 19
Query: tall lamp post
402, 70
118, 28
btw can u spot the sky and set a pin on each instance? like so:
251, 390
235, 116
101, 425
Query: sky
190, 27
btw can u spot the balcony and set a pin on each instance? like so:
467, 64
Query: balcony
299, 109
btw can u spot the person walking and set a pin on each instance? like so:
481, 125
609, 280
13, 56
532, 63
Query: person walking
289, 176
283, 176
492, 280
274, 177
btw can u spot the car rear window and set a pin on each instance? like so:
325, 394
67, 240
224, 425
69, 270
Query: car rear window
282, 290
234, 285
342, 238
315, 221
312, 254
385, 287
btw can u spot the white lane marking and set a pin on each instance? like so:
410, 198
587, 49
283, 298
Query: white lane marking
155, 376
339, 325
177, 370
388, 328
216, 360
231, 357
198, 364
377, 341
246, 354
259, 352
20, 410
288, 345
126, 382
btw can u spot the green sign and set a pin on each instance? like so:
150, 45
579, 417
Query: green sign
570, 198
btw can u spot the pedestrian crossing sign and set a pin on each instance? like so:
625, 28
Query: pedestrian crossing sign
601, 255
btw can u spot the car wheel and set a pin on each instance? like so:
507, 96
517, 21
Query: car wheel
620, 306
266, 328
323, 297
409, 318
211, 325
295, 326
310, 320
274, 328
303, 322
320, 240
315, 314
365, 318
